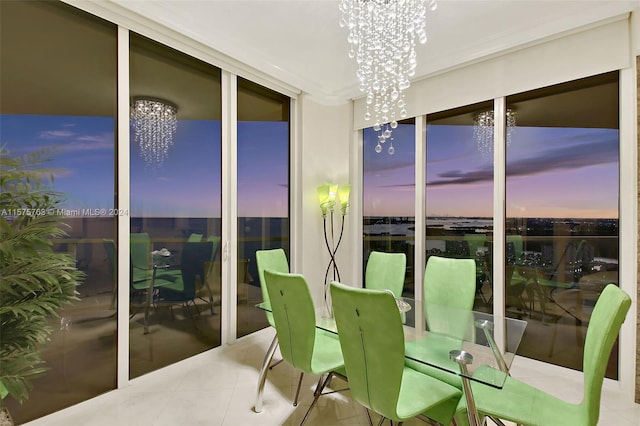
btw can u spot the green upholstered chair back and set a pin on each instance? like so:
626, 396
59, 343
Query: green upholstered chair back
294, 317
607, 318
140, 245
386, 271
372, 341
449, 284
274, 260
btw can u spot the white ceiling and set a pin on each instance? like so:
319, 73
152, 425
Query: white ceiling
301, 43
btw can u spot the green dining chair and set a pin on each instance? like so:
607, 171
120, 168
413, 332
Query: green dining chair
386, 271
274, 260
371, 335
526, 405
449, 284
449, 287
302, 345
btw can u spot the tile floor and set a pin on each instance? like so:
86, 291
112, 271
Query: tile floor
218, 388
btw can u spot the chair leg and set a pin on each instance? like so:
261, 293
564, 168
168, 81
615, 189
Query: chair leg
317, 394
295, 401
366, 411
275, 364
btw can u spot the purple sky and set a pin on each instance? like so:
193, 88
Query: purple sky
186, 185
551, 172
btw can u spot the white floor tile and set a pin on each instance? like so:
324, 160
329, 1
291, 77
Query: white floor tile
218, 388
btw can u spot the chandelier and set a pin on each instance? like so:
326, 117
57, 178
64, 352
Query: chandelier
382, 35
154, 122
483, 124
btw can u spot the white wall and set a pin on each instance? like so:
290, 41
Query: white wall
324, 157
582, 53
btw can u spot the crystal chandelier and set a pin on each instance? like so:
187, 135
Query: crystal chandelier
483, 124
154, 122
382, 35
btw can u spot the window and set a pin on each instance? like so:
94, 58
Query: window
263, 191
388, 197
459, 191
175, 208
58, 85
562, 197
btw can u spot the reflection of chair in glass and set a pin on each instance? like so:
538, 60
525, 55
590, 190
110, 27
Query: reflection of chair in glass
372, 339
110, 249
476, 243
386, 271
194, 263
194, 238
514, 251
206, 280
141, 272
449, 286
523, 404
141, 267
302, 345
515, 284
457, 248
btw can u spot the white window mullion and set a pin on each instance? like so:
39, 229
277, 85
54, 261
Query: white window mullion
124, 221
229, 240
499, 197
420, 252
628, 230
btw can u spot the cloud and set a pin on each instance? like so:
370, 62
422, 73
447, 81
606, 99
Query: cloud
55, 134
601, 149
69, 141
63, 172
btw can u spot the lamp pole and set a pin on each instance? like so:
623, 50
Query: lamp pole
327, 196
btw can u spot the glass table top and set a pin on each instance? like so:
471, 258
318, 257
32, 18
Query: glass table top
473, 334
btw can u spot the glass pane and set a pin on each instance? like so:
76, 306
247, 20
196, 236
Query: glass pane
562, 213
53, 58
175, 206
459, 194
388, 199
263, 191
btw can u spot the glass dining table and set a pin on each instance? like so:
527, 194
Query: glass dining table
464, 342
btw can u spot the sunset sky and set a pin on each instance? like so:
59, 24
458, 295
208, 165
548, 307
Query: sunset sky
551, 172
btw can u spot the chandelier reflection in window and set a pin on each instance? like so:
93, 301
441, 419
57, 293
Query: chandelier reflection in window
155, 123
483, 124
382, 35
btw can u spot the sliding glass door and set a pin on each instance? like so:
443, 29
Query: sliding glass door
175, 156
263, 191
562, 217
58, 86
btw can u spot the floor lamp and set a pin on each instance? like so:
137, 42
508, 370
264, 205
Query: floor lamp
329, 195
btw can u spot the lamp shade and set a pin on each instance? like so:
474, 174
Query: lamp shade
333, 193
323, 198
343, 196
